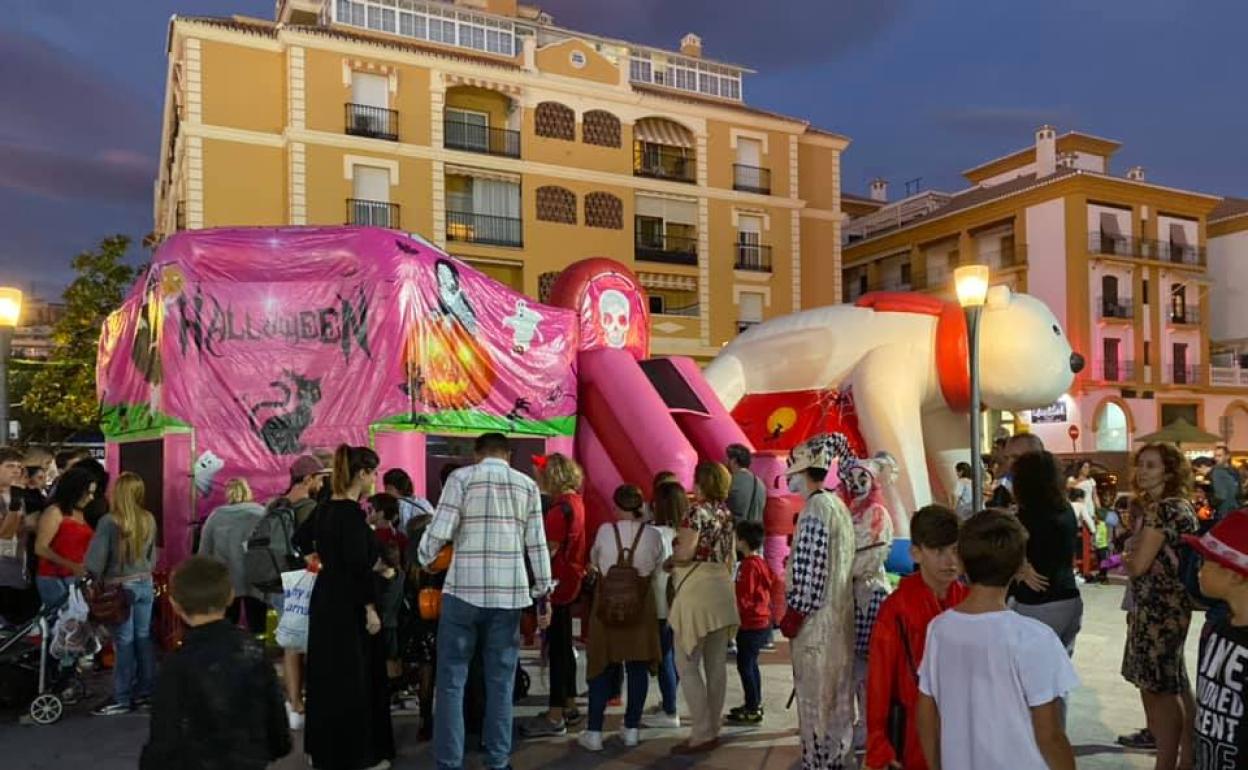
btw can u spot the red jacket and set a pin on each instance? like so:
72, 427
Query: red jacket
754, 593
912, 606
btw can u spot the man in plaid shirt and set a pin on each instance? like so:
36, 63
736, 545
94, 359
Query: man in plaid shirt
492, 516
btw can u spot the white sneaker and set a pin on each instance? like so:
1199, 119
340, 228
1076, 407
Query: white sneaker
294, 718
661, 721
631, 736
590, 740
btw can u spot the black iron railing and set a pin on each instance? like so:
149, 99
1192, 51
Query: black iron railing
471, 137
751, 179
1183, 375
1116, 307
659, 161
1184, 314
1117, 371
375, 122
375, 213
483, 228
1146, 248
753, 256
671, 249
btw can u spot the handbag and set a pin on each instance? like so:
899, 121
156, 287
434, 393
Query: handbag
108, 604
896, 709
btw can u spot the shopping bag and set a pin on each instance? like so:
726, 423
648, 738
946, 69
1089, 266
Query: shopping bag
73, 636
292, 629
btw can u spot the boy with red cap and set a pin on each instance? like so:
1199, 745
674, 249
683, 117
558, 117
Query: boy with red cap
1222, 672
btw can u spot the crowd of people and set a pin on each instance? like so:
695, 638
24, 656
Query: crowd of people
966, 663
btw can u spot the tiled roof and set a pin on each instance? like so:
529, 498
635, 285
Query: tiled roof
682, 96
861, 199
1229, 207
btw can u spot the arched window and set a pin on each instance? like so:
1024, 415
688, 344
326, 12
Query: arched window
1111, 429
555, 120
556, 204
601, 128
604, 210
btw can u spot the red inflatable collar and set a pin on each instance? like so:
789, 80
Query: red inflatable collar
952, 356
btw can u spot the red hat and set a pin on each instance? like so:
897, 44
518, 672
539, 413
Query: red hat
1226, 543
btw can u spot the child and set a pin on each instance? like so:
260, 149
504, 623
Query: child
1222, 676
384, 519
900, 634
390, 581
1102, 546
992, 681
217, 702
754, 607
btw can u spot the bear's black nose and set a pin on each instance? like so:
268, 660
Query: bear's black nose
1076, 363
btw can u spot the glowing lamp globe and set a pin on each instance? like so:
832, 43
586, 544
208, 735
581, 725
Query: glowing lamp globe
972, 285
10, 306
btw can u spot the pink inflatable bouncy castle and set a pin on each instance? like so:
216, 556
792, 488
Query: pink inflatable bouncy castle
241, 349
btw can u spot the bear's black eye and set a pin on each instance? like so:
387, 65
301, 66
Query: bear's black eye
1056, 330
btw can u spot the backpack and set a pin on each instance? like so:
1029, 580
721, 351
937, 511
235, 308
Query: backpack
621, 592
270, 550
1189, 564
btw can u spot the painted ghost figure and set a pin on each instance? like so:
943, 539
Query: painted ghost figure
613, 317
205, 470
523, 323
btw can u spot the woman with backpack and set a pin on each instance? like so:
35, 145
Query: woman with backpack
122, 553
224, 536
623, 626
1159, 609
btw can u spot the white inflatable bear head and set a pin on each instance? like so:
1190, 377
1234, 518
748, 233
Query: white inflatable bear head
1025, 360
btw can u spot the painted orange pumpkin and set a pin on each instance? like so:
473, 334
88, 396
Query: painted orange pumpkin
456, 370
443, 560
429, 602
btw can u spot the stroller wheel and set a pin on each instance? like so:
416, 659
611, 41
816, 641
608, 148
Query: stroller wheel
46, 709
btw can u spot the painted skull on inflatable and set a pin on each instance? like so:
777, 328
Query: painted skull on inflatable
613, 317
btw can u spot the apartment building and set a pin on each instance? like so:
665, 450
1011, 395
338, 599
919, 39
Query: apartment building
1125, 263
516, 145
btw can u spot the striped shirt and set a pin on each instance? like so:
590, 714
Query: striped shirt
491, 514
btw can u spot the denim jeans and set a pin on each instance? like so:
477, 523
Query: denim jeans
461, 627
600, 693
749, 645
668, 680
52, 589
134, 675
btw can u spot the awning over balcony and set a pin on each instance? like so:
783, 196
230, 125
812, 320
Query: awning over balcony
669, 282
481, 173
680, 211
660, 131
490, 85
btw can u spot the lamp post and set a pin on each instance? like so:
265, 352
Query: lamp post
972, 287
10, 312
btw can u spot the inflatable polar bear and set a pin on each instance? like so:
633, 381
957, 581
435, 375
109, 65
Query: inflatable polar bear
905, 357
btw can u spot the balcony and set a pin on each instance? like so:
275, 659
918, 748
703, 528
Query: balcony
658, 161
1228, 377
1116, 371
1146, 248
375, 122
472, 137
669, 249
1003, 258
751, 179
685, 311
372, 213
1183, 315
1175, 253
745, 326
754, 257
486, 229
1115, 307
179, 216
1175, 374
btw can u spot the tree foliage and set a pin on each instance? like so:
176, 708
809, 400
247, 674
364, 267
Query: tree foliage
63, 392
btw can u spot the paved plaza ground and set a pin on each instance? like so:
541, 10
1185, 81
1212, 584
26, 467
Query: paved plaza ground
1102, 708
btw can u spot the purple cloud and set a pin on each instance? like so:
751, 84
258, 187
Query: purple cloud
119, 176
1001, 121
778, 35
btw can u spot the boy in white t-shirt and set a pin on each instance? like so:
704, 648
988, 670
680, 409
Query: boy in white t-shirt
992, 681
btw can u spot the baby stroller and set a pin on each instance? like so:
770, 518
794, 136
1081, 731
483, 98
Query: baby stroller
32, 679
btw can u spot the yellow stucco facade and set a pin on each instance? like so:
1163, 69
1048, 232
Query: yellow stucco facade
520, 165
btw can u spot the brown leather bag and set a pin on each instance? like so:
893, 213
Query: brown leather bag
108, 604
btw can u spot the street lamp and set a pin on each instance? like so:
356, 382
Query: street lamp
10, 312
972, 287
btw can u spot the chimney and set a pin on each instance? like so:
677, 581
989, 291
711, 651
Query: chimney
691, 45
1136, 173
1046, 151
1067, 160
879, 190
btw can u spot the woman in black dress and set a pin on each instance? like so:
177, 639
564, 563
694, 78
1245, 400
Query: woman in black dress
348, 699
